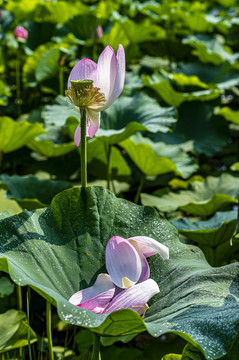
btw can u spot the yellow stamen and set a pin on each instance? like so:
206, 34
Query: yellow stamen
82, 93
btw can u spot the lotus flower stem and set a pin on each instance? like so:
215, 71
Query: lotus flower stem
19, 298
19, 307
61, 79
18, 80
28, 320
140, 187
48, 330
108, 153
96, 348
83, 148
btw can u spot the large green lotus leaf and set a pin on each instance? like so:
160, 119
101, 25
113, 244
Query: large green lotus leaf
209, 49
31, 192
158, 158
229, 114
59, 112
14, 135
129, 115
48, 65
14, 330
6, 286
60, 249
51, 143
204, 198
173, 97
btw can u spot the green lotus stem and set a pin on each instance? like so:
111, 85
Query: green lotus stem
61, 80
108, 152
28, 320
83, 149
18, 80
19, 307
48, 330
19, 298
96, 348
140, 187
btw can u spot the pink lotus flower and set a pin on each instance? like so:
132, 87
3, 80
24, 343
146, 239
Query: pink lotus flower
126, 259
128, 285
100, 85
102, 301
20, 33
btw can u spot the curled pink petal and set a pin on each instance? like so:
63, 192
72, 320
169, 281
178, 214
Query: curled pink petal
134, 298
77, 136
103, 284
83, 69
93, 122
149, 246
123, 262
99, 302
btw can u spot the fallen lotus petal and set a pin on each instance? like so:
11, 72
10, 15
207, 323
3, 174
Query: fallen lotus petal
149, 246
126, 259
96, 297
123, 262
134, 298
96, 86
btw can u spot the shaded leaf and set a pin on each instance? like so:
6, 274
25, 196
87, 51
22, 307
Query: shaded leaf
14, 330
31, 192
6, 286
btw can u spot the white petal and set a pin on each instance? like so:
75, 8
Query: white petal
103, 283
149, 246
133, 298
93, 122
122, 261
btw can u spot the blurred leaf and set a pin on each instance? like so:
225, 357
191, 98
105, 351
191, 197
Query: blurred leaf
14, 331
212, 234
130, 115
172, 357
193, 295
190, 352
6, 286
158, 158
196, 122
204, 199
51, 143
14, 135
59, 112
129, 32
229, 114
31, 192
235, 167
173, 97
4, 93
210, 49
48, 65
